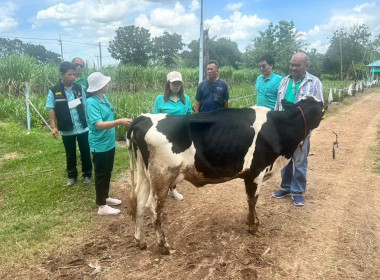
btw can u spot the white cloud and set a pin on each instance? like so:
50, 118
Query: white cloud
233, 6
85, 14
238, 27
194, 6
359, 8
7, 21
173, 20
8, 24
366, 13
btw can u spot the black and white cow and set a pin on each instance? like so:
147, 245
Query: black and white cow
210, 148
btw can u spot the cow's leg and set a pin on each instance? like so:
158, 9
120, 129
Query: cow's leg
160, 192
142, 191
252, 196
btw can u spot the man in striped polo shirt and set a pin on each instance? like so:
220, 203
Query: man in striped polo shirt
292, 88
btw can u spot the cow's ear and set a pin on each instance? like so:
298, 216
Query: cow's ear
287, 105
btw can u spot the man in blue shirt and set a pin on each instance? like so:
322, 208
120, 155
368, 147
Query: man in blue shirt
267, 84
212, 94
65, 103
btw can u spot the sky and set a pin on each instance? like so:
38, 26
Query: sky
83, 24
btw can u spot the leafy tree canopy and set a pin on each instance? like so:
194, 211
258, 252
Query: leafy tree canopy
17, 47
348, 49
167, 47
225, 51
281, 41
132, 45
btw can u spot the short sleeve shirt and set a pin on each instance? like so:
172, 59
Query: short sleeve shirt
212, 95
97, 110
267, 90
77, 124
172, 107
82, 82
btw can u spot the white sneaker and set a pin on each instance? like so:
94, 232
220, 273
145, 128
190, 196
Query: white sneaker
106, 210
174, 193
113, 201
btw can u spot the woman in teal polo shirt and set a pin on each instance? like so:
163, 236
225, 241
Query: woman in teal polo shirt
174, 102
102, 138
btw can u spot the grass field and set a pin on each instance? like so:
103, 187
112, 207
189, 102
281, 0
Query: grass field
37, 210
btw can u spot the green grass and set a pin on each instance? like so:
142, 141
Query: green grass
37, 210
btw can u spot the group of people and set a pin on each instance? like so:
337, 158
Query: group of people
271, 89
81, 112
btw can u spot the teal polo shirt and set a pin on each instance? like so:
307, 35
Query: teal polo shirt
267, 90
98, 110
172, 107
82, 82
291, 90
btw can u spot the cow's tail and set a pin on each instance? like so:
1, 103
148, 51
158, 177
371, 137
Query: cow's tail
132, 200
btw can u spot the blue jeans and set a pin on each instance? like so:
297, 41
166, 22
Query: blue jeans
294, 174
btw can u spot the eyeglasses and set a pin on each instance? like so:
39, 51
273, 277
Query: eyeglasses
176, 83
262, 66
78, 65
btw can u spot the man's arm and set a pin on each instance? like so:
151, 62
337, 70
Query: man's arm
54, 130
226, 104
197, 106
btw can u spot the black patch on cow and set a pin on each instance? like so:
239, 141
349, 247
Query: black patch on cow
140, 127
176, 130
222, 139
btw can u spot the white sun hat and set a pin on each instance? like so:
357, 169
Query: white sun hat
97, 81
174, 76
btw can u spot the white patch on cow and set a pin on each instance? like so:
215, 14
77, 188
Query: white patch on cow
261, 118
268, 171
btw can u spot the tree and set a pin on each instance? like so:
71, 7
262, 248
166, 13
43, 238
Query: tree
225, 51
315, 62
17, 47
167, 47
131, 45
191, 55
281, 41
348, 47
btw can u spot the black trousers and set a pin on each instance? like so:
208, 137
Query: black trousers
71, 154
103, 164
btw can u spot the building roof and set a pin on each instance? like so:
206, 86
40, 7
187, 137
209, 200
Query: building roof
374, 64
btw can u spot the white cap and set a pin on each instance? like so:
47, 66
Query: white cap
174, 76
97, 81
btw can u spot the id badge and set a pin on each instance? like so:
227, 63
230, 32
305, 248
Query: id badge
74, 103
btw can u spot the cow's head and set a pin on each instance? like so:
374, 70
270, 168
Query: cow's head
312, 109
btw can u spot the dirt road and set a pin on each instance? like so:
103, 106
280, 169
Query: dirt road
336, 235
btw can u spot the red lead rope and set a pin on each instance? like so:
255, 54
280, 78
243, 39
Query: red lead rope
304, 122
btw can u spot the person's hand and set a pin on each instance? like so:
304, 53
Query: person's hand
125, 121
54, 132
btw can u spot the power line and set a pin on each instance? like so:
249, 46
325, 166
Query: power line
49, 39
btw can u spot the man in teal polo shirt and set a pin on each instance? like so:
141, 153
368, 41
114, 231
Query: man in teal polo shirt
267, 84
79, 77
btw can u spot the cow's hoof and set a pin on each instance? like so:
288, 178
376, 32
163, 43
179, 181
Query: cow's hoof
253, 229
164, 250
141, 245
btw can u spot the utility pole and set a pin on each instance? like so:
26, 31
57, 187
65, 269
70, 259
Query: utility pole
201, 46
341, 59
100, 56
60, 43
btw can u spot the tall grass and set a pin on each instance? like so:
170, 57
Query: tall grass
16, 71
